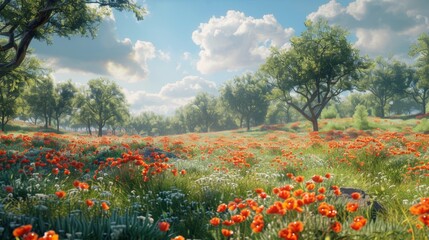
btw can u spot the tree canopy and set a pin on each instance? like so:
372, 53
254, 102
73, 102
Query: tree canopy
320, 65
23, 21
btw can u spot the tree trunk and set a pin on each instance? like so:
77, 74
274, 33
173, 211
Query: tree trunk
2, 123
315, 124
100, 130
248, 123
46, 122
58, 125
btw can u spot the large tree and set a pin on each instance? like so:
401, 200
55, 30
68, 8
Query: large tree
320, 65
12, 86
64, 94
23, 21
247, 96
104, 100
386, 80
419, 88
40, 99
204, 106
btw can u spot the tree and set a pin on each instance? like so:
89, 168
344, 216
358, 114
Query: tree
23, 21
40, 99
64, 94
204, 106
386, 79
82, 113
12, 86
320, 65
247, 96
419, 88
103, 100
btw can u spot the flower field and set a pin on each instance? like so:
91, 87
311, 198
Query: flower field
263, 184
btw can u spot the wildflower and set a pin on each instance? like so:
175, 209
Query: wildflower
355, 195
259, 190
327, 210
320, 197
317, 178
183, 172
297, 226
257, 224
328, 176
228, 223
263, 195
55, 171
31, 236
222, 207
321, 190
226, 232
287, 234
89, 202
66, 172
215, 221
299, 179
424, 219
60, 194
180, 237
50, 235
22, 230
352, 207
336, 227
104, 206
358, 223
8, 189
163, 226
245, 213
310, 186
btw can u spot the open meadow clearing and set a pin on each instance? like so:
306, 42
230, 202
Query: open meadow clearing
264, 184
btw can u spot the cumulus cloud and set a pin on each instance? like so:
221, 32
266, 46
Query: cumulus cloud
380, 27
237, 41
105, 55
170, 97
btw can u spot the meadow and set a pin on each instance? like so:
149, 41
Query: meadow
273, 182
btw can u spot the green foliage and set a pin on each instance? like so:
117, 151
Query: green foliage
321, 56
247, 97
23, 21
360, 117
423, 126
330, 112
386, 80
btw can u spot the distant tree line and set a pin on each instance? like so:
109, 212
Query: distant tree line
321, 76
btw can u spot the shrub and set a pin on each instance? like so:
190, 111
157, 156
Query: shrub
360, 117
330, 113
423, 126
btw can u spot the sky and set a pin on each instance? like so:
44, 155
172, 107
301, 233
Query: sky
184, 47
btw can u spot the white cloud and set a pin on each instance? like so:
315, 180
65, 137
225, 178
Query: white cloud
380, 27
329, 10
236, 41
170, 97
106, 55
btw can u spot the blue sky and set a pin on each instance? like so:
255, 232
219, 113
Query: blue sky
183, 47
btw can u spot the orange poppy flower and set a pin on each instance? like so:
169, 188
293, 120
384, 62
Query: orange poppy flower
215, 221
89, 202
257, 224
222, 207
31, 236
22, 230
296, 227
180, 237
287, 234
227, 232
238, 218
299, 179
317, 178
104, 206
50, 235
322, 190
60, 194
245, 213
228, 223
424, 219
259, 190
358, 223
163, 226
8, 189
352, 207
336, 227
355, 195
